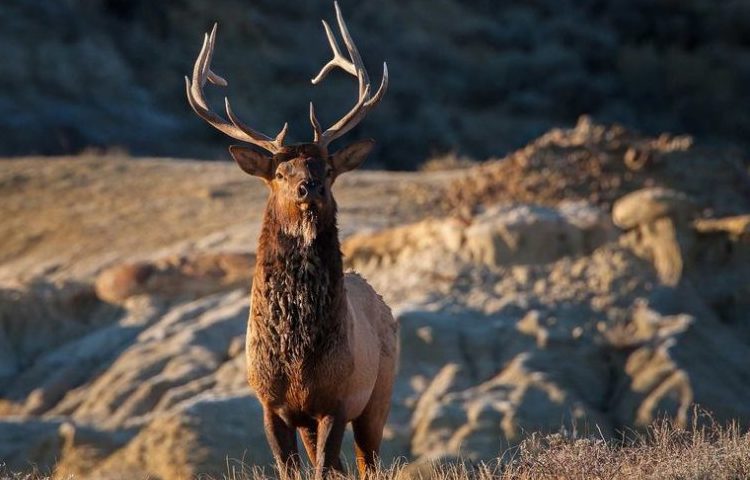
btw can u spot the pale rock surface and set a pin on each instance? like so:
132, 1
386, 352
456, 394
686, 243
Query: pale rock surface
523, 234
649, 204
660, 231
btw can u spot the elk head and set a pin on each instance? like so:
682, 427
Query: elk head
299, 176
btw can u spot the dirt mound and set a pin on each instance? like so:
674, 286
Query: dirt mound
601, 163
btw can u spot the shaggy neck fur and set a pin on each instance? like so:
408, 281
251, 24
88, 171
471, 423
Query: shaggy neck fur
297, 291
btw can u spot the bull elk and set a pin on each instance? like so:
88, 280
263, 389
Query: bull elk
322, 346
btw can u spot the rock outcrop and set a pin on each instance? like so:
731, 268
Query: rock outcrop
589, 337
176, 277
659, 220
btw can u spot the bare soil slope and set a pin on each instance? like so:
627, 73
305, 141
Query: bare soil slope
68, 216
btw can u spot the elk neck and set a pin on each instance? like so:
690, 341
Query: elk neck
297, 292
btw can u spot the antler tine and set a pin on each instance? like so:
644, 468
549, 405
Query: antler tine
212, 77
338, 59
317, 130
355, 67
197, 100
381, 89
362, 77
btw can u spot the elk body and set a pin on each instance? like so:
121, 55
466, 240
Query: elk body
322, 346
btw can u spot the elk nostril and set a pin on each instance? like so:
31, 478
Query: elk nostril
302, 191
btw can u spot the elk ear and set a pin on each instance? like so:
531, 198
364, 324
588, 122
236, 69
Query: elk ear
253, 162
351, 156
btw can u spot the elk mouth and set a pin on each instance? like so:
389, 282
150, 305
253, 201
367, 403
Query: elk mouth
310, 205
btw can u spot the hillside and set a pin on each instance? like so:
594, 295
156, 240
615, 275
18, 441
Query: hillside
593, 299
108, 73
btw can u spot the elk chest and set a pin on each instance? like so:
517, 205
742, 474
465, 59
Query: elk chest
297, 348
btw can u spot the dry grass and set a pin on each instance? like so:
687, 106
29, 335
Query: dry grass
447, 161
706, 450
663, 452
5, 474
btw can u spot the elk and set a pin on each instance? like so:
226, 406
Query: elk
322, 346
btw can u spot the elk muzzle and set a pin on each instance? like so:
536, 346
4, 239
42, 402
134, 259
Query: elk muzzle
308, 191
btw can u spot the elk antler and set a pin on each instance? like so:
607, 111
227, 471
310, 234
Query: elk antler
236, 129
355, 67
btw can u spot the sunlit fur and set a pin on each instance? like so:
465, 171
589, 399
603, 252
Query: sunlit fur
296, 219
322, 345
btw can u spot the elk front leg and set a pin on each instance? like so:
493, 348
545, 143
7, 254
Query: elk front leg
330, 434
282, 439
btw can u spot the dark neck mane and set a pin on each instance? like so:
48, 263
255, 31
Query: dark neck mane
297, 292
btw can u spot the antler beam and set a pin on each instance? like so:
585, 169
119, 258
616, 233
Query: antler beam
354, 66
197, 100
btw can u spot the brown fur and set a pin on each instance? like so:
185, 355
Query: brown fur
322, 347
